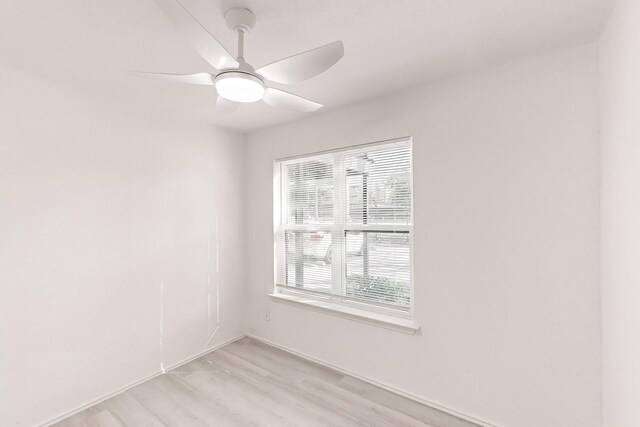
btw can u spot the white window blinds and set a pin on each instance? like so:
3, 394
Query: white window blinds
345, 226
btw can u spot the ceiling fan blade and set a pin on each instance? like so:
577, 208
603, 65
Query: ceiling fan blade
303, 66
288, 101
225, 106
197, 79
206, 45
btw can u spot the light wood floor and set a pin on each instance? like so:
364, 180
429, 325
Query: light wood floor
248, 383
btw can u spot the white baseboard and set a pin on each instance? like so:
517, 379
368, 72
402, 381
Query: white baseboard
138, 382
403, 393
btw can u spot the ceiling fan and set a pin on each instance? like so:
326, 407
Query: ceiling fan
235, 80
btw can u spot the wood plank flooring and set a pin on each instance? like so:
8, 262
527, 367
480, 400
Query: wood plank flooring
248, 383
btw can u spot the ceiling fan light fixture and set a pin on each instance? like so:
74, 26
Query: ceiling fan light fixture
239, 87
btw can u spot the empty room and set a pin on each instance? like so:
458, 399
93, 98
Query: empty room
320, 213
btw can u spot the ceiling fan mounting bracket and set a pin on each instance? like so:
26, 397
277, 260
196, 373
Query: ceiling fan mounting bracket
240, 19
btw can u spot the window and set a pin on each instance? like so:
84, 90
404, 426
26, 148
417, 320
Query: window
344, 227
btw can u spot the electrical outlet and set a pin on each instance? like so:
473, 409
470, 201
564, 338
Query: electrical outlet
266, 315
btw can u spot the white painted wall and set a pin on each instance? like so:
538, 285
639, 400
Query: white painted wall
506, 243
99, 205
620, 127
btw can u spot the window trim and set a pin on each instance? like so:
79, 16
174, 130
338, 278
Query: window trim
395, 318
403, 139
391, 322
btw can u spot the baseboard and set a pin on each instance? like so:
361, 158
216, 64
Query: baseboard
138, 382
403, 393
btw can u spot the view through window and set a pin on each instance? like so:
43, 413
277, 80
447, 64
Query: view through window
345, 226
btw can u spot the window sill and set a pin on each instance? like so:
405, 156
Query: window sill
382, 320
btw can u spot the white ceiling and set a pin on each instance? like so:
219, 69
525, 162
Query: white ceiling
389, 45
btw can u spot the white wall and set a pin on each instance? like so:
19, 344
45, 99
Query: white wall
99, 205
620, 95
506, 243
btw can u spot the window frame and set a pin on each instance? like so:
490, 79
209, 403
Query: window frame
340, 226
